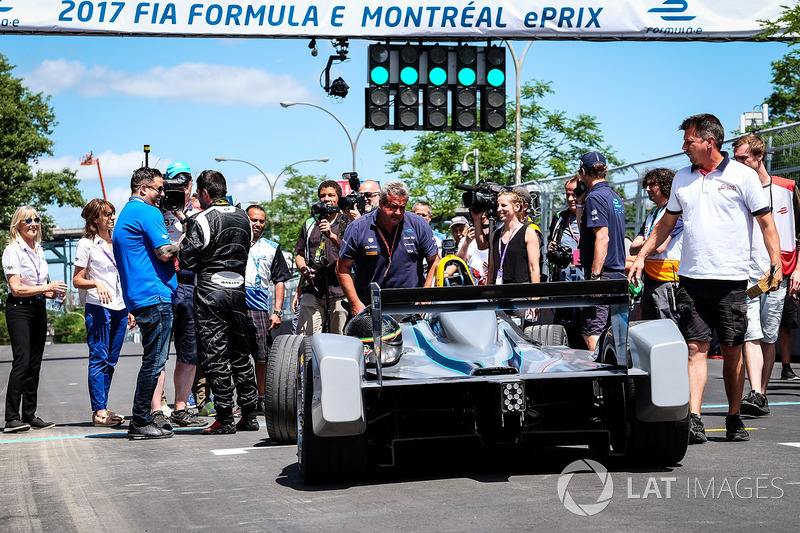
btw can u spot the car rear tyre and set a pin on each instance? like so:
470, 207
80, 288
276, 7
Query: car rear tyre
547, 334
283, 366
324, 459
655, 443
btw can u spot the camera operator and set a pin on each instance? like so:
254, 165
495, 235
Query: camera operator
387, 246
316, 252
371, 190
562, 247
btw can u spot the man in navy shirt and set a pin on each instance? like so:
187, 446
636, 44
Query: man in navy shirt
144, 253
602, 244
386, 246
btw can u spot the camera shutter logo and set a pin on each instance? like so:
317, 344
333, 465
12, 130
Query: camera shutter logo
584, 466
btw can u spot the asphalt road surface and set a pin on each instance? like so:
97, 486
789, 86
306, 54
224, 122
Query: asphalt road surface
76, 477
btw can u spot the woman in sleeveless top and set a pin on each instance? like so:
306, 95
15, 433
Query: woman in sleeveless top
514, 254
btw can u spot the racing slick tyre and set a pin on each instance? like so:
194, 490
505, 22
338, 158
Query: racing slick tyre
283, 367
547, 334
656, 443
324, 459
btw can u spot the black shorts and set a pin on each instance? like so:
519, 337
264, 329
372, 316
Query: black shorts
789, 317
708, 305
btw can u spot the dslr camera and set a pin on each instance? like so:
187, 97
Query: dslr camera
321, 209
355, 199
482, 197
174, 196
561, 256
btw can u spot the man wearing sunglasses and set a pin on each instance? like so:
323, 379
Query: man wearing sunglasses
371, 190
144, 257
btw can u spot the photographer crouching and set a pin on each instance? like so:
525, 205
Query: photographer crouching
316, 251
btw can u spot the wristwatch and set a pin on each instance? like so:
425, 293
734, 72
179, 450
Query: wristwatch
594, 276
278, 313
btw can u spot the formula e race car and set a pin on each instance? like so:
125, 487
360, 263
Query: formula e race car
459, 367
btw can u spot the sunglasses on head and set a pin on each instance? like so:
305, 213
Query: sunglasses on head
29, 220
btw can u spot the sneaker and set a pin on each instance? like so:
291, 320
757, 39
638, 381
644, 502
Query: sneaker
148, 431
218, 428
247, 423
261, 406
788, 374
38, 423
237, 412
161, 421
12, 426
697, 431
755, 404
734, 429
184, 419
207, 410
191, 402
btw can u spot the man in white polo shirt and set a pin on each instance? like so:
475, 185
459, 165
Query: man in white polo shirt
718, 199
764, 312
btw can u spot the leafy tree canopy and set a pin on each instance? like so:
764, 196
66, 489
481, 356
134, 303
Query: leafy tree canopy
289, 210
784, 102
551, 145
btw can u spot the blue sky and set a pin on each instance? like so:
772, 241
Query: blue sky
195, 99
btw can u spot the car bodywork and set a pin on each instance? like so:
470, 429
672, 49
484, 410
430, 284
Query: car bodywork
466, 370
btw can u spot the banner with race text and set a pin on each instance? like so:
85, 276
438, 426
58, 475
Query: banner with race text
430, 20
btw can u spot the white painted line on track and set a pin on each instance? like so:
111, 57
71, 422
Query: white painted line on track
239, 451
794, 444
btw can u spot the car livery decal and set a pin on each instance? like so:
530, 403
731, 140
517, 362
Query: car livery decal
464, 367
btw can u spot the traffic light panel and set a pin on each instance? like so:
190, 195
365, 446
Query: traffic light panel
465, 97
378, 93
493, 97
406, 100
434, 108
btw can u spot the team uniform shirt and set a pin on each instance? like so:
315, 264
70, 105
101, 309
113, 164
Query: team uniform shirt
97, 257
782, 196
265, 267
146, 280
718, 210
371, 248
603, 209
29, 264
663, 266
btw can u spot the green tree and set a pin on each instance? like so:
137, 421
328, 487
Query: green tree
26, 121
784, 102
69, 328
551, 145
289, 210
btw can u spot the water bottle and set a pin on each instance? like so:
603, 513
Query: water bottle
57, 301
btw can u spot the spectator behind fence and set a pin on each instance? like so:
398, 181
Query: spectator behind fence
26, 317
764, 312
718, 199
387, 246
322, 304
215, 248
265, 275
105, 312
660, 274
602, 244
144, 256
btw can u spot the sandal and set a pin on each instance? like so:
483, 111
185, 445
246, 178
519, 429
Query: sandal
110, 419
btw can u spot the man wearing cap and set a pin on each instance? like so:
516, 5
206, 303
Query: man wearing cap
602, 244
458, 227
718, 199
179, 175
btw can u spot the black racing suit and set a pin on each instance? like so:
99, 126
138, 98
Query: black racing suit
215, 248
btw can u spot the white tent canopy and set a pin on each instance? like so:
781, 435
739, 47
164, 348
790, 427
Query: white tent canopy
430, 20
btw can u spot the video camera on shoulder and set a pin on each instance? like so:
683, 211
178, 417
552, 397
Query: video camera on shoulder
482, 197
174, 195
355, 199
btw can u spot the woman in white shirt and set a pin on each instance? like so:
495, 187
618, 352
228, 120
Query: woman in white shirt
29, 284
106, 316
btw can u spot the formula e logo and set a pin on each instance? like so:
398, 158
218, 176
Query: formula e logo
585, 466
4, 9
680, 7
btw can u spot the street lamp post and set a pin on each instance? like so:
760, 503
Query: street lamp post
465, 166
518, 114
271, 183
353, 144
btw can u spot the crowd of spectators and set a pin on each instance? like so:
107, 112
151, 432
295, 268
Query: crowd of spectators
205, 275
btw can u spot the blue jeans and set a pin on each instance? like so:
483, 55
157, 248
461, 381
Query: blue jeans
155, 324
105, 333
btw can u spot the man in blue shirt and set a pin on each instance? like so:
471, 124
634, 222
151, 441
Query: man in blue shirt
602, 244
386, 246
144, 257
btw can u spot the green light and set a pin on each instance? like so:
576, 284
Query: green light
409, 75
495, 77
379, 75
466, 76
437, 76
